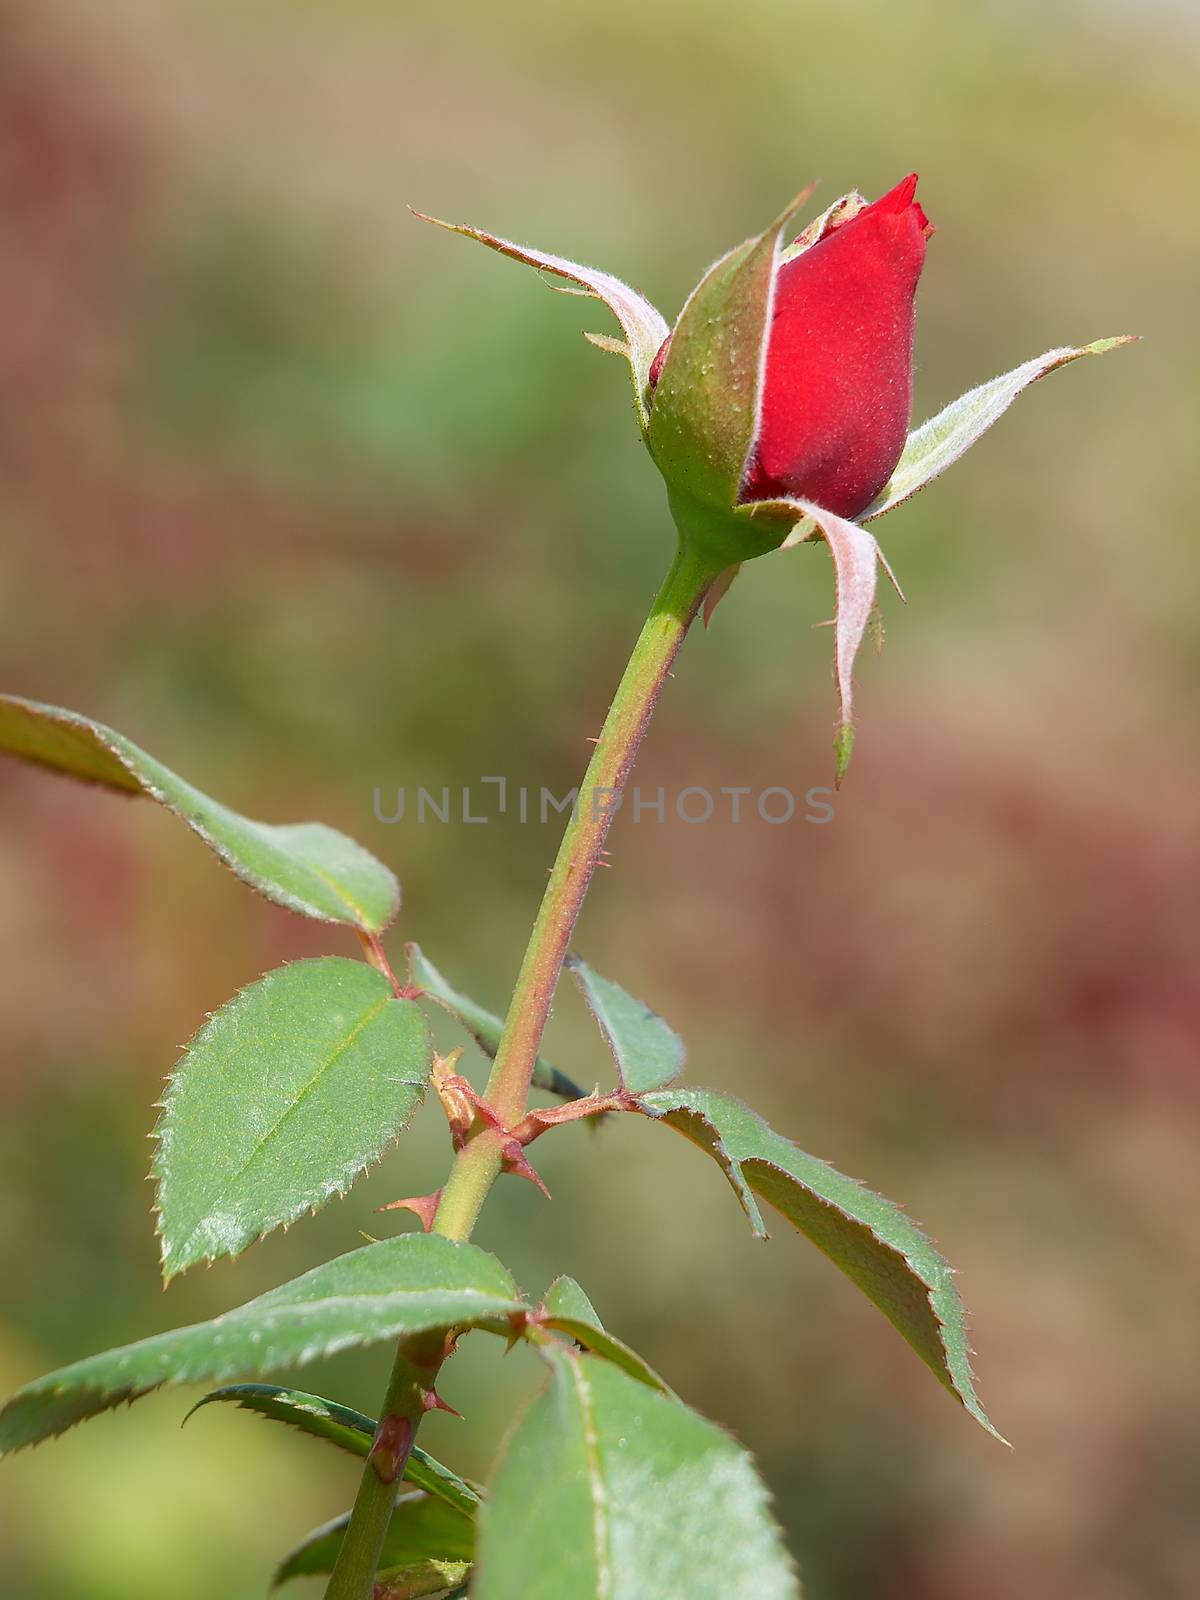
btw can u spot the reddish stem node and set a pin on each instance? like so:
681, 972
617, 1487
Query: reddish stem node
391, 1449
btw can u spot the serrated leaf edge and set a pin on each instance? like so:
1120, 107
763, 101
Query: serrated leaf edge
338, 1190
577, 1359
960, 1384
432, 1475
112, 1399
120, 748
582, 972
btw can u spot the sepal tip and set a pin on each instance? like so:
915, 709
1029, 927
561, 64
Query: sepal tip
843, 747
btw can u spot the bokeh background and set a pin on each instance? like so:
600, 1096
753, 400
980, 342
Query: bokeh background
310, 499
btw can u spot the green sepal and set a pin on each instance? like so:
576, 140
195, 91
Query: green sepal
843, 749
727, 537
704, 417
642, 325
843, 209
938, 443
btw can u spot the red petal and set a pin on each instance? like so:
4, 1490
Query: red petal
838, 391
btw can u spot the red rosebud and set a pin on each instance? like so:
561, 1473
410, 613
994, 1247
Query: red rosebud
837, 395
777, 406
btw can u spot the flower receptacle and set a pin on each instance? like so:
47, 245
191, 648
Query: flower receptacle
722, 538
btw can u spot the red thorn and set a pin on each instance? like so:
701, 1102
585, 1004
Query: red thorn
421, 1205
517, 1323
390, 1451
434, 1402
516, 1162
482, 1108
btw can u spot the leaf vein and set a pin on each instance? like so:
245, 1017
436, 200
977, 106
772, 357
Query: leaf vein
599, 1496
339, 1050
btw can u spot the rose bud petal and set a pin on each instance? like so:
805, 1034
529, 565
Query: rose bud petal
837, 395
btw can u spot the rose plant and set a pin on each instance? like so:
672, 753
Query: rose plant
777, 409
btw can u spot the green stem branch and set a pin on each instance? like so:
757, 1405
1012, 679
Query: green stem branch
413, 1373
600, 796
480, 1162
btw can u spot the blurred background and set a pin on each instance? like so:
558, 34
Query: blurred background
311, 500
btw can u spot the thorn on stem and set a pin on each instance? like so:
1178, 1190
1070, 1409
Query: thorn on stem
517, 1162
433, 1401
517, 1322
423, 1206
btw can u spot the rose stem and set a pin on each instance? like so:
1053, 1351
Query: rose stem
477, 1166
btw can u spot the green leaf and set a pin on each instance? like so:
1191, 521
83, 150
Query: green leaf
349, 1430
565, 1298
427, 1578
608, 1491
648, 1053
568, 1310
423, 1531
484, 1026
304, 866
310, 1413
869, 1238
938, 443
395, 1288
642, 325
284, 1097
